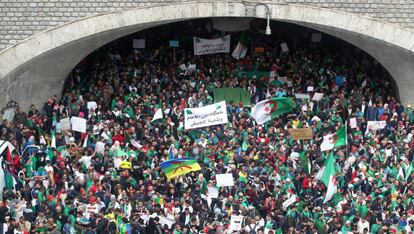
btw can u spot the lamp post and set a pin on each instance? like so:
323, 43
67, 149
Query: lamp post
268, 30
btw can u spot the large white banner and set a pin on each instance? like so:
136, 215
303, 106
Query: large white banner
211, 46
205, 116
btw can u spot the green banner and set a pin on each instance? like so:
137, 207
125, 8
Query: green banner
250, 74
235, 95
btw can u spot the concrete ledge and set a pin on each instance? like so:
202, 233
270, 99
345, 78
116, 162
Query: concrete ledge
45, 59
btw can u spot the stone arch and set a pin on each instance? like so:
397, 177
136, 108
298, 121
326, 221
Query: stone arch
34, 69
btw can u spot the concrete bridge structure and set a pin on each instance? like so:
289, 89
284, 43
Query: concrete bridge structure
41, 41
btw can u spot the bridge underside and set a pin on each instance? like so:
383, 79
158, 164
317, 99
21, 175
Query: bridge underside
35, 69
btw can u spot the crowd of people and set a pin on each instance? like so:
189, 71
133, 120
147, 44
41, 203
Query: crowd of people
80, 186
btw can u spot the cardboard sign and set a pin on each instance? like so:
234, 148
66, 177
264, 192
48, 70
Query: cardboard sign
301, 133
78, 124
224, 180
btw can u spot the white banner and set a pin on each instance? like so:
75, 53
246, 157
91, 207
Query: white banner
78, 124
205, 116
213, 46
376, 125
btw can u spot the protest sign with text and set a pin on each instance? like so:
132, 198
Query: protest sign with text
211, 46
301, 133
205, 116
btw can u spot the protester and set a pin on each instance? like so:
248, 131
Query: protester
109, 179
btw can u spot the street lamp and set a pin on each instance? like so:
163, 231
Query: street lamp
268, 30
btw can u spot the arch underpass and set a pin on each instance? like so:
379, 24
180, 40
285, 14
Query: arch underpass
35, 69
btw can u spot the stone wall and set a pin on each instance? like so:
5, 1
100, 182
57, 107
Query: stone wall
20, 19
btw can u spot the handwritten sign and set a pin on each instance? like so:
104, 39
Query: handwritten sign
301, 133
205, 116
211, 46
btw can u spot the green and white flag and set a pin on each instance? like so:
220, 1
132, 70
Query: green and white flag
334, 140
269, 109
240, 51
53, 141
158, 115
328, 177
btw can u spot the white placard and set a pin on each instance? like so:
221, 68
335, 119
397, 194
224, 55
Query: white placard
224, 180
139, 43
302, 96
316, 37
213, 192
310, 89
317, 97
211, 46
284, 47
236, 222
92, 105
78, 124
205, 116
376, 125
64, 124
353, 122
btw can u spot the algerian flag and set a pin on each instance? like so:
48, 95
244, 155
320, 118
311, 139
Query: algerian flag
328, 177
85, 142
240, 51
289, 201
334, 140
157, 115
269, 109
53, 143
